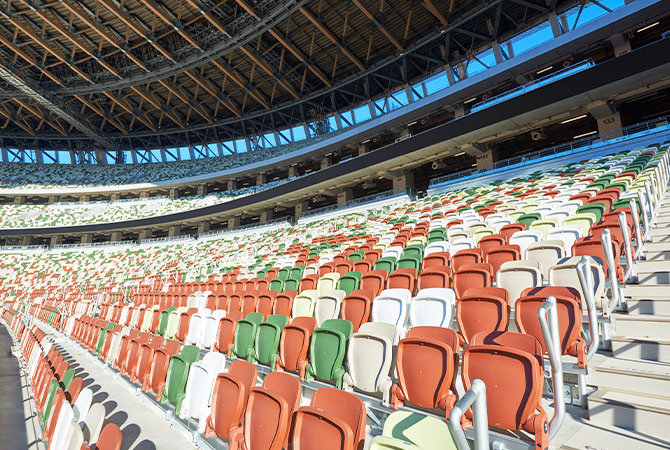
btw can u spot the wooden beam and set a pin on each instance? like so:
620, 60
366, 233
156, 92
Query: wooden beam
212, 90
260, 62
428, 4
163, 15
331, 37
298, 54
27, 57
381, 27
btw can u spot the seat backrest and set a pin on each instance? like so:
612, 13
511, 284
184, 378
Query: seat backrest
356, 307
411, 430
403, 278
472, 275
547, 252
229, 398
369, 359
466, 256
328, 305
502, 254
375, 280
511, 339
283, 303
226, 332
346, 406
515, 276
93, 424
435, 277
432, 306
199, 385
267, 338
295, 341
391, 307
482, 309
110, 438
304, 303
287, 385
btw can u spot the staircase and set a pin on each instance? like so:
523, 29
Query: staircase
634, 384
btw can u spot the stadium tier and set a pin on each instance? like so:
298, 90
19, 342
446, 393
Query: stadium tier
335, 225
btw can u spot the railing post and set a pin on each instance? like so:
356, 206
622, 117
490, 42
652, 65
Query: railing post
651, 201
550, 333
643, 209
623, 224
638, 232
606, 241
586, 281
475, 397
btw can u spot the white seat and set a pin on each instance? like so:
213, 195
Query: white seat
61, 435
115, 344
391, 307
124, 315
211, 327
328, 282
370, 359
568, 234
462, 244
395, 252
435, 247
199, 386
524, 238
93, 423
82, 405
304, 303
565, 274
328, 305
196, 327
548, 253
432, 307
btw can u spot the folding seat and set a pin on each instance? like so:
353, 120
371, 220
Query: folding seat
501, 255
356, 307
308, 282
426, 368
461, 244
435, 277
195, 329
592, 246
327, 351
124, 346
173, 321
145, 358
509, 230
163, 323
364, 265
524, 238
597, 208
210, 328
292, 284
515, 276
73, 391
344, 267
349, 281
369, 359
101, 337
569, 311
297, 271
391, 307
375, 281
466, 256
402, 278
334, 420
514, 380
51, 420
432, 306
245, 335
482, 309
60, 438
327, 305
491, 242
229, 399
311, 269
268, 414
438, 259
222, 302
436, 247
472, 276
158, 370
283, 303
294, 343
277, 285
234, 303
387, 264
177, 373
134, 345
413, 431
183, 324
547, 253
583, 221
195, 400
249, 303
266, 347
304, 303
82, 405
567, 234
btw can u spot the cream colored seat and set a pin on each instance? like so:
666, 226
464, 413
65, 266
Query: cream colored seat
328, 305
515, 276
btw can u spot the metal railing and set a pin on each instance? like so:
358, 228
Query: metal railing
384, 195
563, 149
269, 223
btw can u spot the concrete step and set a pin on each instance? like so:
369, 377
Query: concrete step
647, 326
647, 414
658, 256
654, 278
647, 349
647, 291
652, 247
643, 377
651, 266
594, 437
653, 306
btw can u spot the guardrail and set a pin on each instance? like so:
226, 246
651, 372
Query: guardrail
581, 144
357, 201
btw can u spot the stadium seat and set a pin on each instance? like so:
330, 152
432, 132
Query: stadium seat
327, 351
412, 431
472, 276
328, 305
266, 347
391, 307
245, 335
432, 306
515, 276
294, 343
195, 400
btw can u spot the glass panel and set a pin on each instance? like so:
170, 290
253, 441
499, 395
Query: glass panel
241, 145
397, 100
532, 38
362, 113
436, 83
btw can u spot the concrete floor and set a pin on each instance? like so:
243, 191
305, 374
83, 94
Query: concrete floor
13, 432
143, 427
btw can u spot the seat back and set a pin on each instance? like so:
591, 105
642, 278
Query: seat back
266, 348
294, 342
547, 253
482, 309
304, 303
410, 430
225, 333
375, 281
435, 277
515, 276
229, 398
357, 306
565, 274
403, 278
245, 335
472, 275
369, 358
283, 303
432, 306
502, 254
328, 305
391, 307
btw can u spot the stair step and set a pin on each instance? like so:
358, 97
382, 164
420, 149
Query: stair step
646, 349
652, 266
647, 291
643, 377
651, 306
658, 256
634, 411
642, 325
595, 437
656, 247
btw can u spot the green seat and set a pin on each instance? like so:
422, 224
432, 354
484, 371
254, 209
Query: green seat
529, 218
245, 335
101, 337
67, 379
625, 203
291, 284
277, 285
266, 348
349, 281
597, 209
388, 263
409, 263
283, 273
163, 322
413, 251
53, 387
177, 374
356, 256
296, 272
405, 430
327, 351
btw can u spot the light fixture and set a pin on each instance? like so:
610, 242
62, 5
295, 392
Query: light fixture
474, 164
411, 123
545, 70
584, 135
460, 154
573, 119
471, 100
647, 27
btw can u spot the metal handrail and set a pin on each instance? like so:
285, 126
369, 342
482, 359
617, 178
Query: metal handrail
475, 397
550, 332
586, 281
606, 241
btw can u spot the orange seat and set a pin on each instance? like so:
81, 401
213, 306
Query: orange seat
225, 333
592, 246
435, 277
335, 420
509, 230
229, 398
402, 279
569, 309
482, 309
234, 303
128, 365
502, 254
308, 282
472, 276
375, 281
266, 303
249, 304
356, 307
514, 380
144, 359
437, 259
491, 242
294, 343
110, 438
363, 266
425, 367
284, 303
444, 335
344, 267
465, 257
326, 268
74, 389
183, 324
